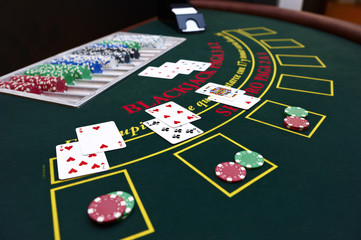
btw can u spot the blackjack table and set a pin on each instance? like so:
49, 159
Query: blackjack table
308, 187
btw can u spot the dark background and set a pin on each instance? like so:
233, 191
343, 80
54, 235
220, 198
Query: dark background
35, 30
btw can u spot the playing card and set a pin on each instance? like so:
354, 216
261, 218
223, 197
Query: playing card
173, 135
179, 68
99, 137
172, 114
243, 102
196, 65
158, 73
220, 91
72, 163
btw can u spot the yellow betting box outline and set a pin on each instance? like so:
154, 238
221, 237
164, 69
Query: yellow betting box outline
304, 77
284, 128
51, 160
134, 193
266, 31
278, 56
229, 194
292, 43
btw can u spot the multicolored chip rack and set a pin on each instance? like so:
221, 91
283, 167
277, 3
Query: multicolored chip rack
74, 77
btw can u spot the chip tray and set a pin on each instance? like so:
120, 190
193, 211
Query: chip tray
84, 90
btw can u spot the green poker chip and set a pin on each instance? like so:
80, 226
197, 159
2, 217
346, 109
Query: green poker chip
249, 159
129, 202
68, 72
296, 111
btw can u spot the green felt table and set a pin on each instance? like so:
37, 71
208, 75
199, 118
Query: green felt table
308, 188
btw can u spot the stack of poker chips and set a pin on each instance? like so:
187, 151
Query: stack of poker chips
144, 41
111, 207
296, 119
232, 172
19, 86
126, 47
94, 64
126, 52
81, 63
35, 84
68, 72
95, 50
127, 44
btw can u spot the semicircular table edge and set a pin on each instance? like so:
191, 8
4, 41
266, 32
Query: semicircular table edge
341, 28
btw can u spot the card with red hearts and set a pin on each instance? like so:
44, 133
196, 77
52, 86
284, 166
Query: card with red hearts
99, 137
170, 66
195, 65
172, 114
244, 101
159, 73
72, 163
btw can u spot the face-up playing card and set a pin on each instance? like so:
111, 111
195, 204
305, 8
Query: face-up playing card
158, 73
179, 68
220, 91
99, 138
196, 65
173, 135
72, 163
172, 114
244, 101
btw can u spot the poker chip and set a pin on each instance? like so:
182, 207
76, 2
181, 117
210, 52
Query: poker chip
230, 172
50, 84
94, 65
144, 41
129, 201
68, 72
21, 86
131, 46
133, 53
128, 44
249, 159
107, 208
296, 111
296, 123
119, 56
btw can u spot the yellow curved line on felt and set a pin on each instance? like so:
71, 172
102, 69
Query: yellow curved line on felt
268, 51
244, 82
220, 125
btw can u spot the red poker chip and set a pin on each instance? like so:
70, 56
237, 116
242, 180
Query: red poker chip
296, 123
21, 86
230, 172
51, 84
107, 208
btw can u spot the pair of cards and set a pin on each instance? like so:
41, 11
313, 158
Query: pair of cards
227, 95
87, 155
172, 122
169, 69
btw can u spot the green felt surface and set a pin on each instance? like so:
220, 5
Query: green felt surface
308, 188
